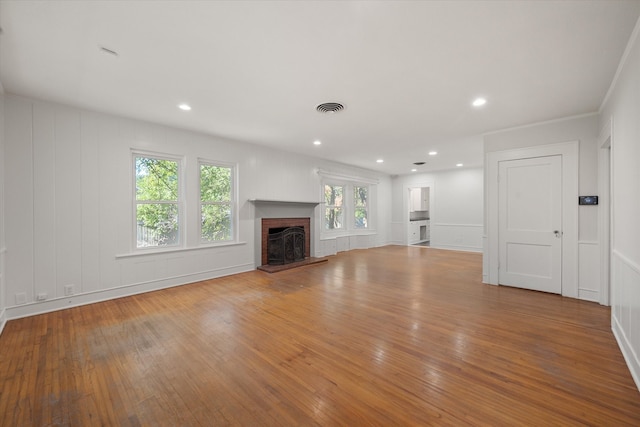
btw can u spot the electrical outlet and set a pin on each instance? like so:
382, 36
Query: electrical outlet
69, 290
41, 296
21, 298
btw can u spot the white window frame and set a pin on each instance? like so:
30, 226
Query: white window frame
180, 202
233, 202
348, 208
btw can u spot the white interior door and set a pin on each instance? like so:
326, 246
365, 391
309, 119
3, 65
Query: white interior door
530, 221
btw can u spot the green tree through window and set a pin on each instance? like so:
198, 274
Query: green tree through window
156, 202
216, 202
333, 195
360, 195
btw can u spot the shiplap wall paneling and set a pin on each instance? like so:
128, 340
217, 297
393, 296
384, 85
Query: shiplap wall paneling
68, 208
19, 200
45, 203
90, 171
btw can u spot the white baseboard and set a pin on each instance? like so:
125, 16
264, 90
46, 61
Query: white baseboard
458, 248
3, 319
588, 295
627, 351
55, 304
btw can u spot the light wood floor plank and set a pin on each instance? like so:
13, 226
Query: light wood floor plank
385, 336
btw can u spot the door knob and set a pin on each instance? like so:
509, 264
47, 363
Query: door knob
558, 233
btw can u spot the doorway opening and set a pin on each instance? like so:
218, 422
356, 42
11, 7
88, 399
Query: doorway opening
419, 207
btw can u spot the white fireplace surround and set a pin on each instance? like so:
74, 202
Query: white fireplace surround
284, 209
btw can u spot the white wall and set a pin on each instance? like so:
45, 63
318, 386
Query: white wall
622, 107
456, 212
584, 284
69, 199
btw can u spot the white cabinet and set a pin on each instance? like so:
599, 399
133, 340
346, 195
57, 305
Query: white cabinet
419, 231
424, 201
414, 232
419, 199
425, 232
415, 199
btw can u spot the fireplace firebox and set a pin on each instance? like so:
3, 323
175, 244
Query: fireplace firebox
285, 245
300, 234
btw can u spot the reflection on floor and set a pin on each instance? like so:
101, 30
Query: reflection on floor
427, 243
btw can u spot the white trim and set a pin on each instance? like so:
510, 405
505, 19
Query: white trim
546, 122
345, 177
456, 248
635, 267
173, 250
282, 202
621, 64
3, 319
569, 152
442, 224
627, 350
605, 207
54, 304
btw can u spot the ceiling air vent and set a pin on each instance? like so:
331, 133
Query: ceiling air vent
330, 107
419, 163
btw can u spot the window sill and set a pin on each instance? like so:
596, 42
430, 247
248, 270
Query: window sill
336, 234
176, 250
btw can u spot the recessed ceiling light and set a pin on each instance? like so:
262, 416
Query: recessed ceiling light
317, 142
414, 170
379, 161
433, 153
479, 102
184, 107
459, 165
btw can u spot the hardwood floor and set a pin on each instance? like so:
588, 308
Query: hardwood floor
387, 336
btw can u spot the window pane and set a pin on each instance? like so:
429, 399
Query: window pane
215, 183
333, 218
360, 196
156, 179
156, 224
216, 222
333, 195
361, 218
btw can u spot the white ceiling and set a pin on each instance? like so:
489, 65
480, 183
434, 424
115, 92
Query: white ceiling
255, 70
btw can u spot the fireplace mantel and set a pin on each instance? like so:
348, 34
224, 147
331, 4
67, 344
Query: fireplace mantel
283, 202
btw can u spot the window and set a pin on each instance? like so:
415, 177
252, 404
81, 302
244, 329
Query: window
333, 197
157, 201
360, 209
216, 202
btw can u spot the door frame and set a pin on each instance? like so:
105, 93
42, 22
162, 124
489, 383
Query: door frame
406, 201
605, 185
569, 153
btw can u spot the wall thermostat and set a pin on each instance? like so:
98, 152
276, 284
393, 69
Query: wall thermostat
588, 200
